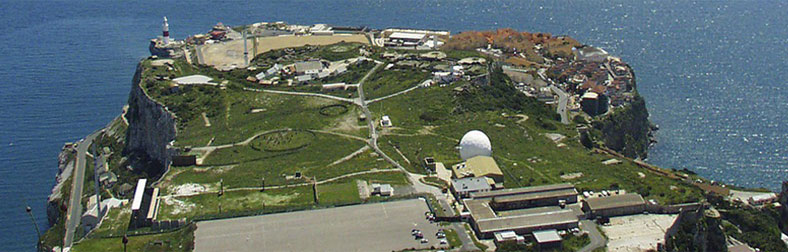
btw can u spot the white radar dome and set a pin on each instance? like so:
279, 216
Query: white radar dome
475, 143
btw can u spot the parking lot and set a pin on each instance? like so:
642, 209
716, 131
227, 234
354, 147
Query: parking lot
637, 232
367, 227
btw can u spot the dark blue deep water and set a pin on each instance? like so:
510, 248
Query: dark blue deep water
711, 72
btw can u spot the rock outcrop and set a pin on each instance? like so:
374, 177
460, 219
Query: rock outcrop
55, 201
627, 130
151, 130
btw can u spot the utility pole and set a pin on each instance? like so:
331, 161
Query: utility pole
29, 211
221, 187
125, 241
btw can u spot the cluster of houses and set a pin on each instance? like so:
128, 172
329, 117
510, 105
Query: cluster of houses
444, 71
596, 80
305, 71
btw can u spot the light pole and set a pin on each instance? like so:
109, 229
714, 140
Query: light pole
29, 211
125, 240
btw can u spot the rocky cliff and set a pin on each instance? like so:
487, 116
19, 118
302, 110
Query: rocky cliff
151, 131
627, 130
55, 202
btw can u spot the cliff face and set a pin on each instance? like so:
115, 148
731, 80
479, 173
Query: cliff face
55, 200
696, 231
151, 131
627, 130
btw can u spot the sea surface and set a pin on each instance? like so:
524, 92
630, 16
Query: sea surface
712, 73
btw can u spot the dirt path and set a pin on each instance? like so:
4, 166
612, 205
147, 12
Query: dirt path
348, 157
205, 118
394, 94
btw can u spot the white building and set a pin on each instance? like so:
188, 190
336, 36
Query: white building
590, 53
385, 121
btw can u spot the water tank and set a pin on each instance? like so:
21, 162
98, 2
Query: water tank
475, 143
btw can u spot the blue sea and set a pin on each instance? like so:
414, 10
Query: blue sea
712, 73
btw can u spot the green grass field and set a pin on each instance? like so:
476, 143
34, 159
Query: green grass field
236, 203
244, 114
179, 240
386, 82
243, 166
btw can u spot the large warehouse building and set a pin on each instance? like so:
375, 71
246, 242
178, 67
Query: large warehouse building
533, 196
614, 205
522, 210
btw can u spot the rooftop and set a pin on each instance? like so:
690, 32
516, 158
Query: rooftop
537, 195
138, 193
545, 236
470, 184
521, 190
478, 166
312, 65
193, 79
404, 35
534, 220
615, 201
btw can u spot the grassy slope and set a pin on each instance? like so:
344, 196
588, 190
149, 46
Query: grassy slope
179, 240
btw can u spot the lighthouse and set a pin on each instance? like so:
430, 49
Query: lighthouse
165, 30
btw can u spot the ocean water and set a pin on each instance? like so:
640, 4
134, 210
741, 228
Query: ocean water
711, 73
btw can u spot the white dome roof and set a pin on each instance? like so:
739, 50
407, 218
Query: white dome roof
475, 143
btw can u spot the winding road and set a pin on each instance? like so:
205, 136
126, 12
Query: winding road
563, 98
597, 240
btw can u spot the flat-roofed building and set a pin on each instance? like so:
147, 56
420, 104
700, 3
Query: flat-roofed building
145, 205
508, 237
486, 223
614, 205
533, 196
308, 67
479, 166
463, 187
405, 39
547, 238
138, 212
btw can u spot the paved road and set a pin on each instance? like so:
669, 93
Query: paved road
467, 243
74, 213
563, 98
597, 240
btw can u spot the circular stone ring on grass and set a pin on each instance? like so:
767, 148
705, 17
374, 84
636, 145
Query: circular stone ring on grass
333, 110
283, 140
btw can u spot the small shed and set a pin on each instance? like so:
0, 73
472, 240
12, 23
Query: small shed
547, 238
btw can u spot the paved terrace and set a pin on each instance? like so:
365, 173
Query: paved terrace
366, 227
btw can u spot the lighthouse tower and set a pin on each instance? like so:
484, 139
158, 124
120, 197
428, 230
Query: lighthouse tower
165, 30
